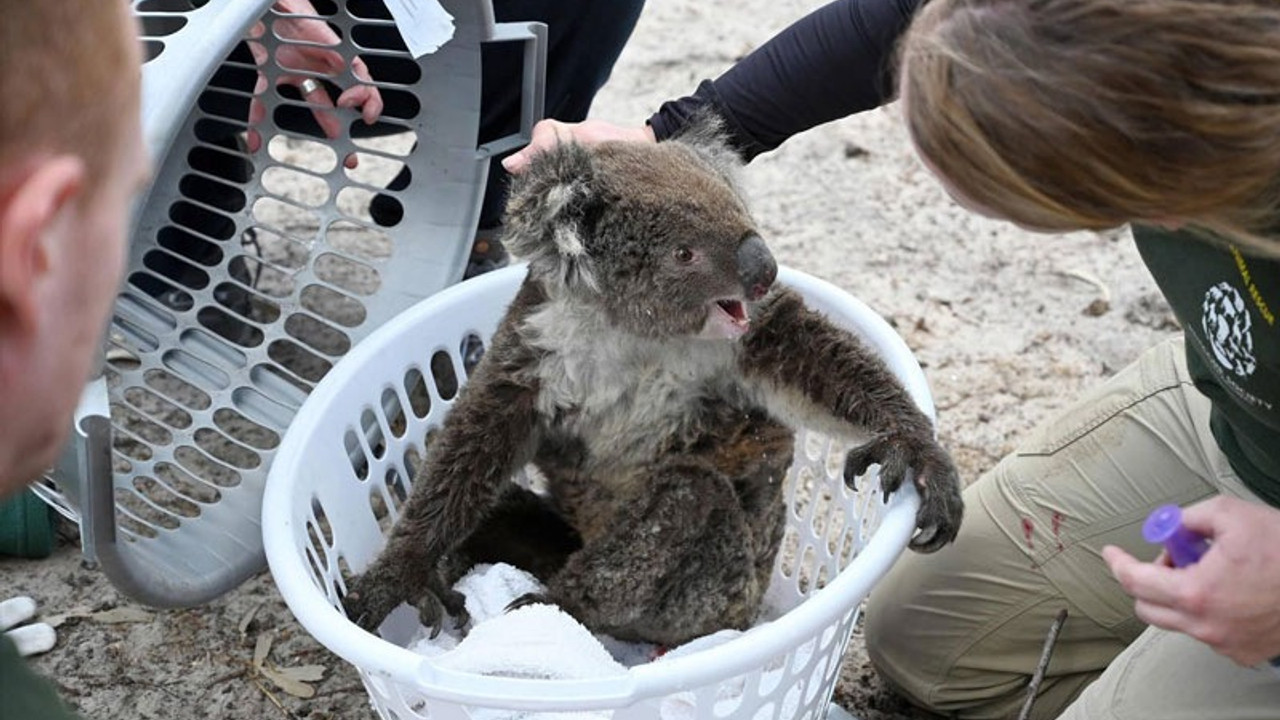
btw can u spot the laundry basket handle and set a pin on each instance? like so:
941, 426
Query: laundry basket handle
512, 693
532, 86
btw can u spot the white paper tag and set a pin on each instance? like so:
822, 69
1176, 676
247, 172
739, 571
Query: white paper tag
423, 24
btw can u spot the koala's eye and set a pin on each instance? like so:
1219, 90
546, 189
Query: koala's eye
684, 255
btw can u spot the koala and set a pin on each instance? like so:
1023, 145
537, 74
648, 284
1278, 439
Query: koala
651, 369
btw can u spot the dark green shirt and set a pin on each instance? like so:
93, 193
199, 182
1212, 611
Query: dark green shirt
24, 695
1227, 303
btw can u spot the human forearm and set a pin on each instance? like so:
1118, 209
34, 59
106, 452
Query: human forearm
834, 62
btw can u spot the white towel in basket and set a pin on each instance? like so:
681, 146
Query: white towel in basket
542, 641
535, 641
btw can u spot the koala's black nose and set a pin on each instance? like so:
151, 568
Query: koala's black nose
756, 267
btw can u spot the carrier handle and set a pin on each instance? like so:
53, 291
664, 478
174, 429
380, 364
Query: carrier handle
533, 85
122, 562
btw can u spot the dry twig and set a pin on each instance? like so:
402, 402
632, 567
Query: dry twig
1038, 676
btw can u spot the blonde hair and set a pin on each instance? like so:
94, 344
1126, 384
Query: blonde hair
1088, 114
66, 79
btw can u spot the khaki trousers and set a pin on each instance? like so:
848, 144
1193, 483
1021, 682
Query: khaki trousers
961, 631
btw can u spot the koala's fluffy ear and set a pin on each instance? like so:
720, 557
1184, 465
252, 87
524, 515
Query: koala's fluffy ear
705, 134
551, 211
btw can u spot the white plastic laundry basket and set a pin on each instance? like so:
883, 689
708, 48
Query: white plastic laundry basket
344, 467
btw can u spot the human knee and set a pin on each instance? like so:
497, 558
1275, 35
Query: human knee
894, 616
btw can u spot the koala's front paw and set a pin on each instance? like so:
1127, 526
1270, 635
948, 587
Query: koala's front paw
371, 599
941, 506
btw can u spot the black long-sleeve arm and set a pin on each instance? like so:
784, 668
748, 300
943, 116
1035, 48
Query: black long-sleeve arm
834, 62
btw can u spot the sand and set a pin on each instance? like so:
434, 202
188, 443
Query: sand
1009, 327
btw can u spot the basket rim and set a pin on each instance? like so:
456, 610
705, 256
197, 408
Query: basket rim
383, 659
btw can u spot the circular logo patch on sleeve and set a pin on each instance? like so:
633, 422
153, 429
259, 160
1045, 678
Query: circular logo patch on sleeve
1229, 329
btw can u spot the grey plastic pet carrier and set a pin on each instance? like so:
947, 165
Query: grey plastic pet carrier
258, 258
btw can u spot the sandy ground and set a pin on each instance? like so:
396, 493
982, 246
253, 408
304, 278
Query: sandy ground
1009, 327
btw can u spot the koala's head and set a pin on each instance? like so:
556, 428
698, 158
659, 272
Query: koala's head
657, 236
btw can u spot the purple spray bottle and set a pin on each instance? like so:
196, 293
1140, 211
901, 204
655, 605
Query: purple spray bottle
1164, 526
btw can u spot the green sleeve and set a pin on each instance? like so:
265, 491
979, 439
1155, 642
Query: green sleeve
24, 695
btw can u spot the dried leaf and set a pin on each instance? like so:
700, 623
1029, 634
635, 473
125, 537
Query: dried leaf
306, 673
120, 615
260, 651
248, 618
284, 682
59, 619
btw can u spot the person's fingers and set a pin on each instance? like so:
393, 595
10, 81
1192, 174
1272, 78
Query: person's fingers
304, 29
516, 162
1209, 517
360, 70
315, 93
1114, 555
303, 58
549, 133
371, 109
328, 121
546, 135
365, 97
1144, 581
1162, 616
331, 63
259, 52
257, 111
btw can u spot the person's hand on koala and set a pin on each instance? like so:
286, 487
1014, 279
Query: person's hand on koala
550, 133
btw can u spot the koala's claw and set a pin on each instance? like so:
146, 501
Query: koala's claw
528, 599
857, 462
456, 605
936, 478
434, 604
930, 538
941, 508
431, 612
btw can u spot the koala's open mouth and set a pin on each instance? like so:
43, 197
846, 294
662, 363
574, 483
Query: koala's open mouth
727, 319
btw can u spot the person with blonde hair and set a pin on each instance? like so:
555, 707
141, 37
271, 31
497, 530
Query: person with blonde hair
1063, 115
1088, 114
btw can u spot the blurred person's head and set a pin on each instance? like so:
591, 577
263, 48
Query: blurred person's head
1088, 114
71, 159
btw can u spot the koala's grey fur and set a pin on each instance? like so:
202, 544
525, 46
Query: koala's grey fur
663, 449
